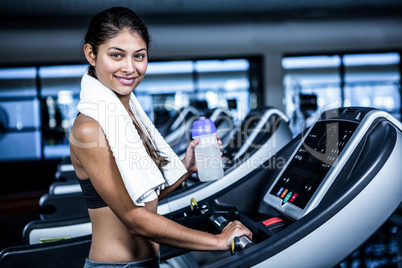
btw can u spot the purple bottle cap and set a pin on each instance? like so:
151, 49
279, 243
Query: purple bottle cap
203, 126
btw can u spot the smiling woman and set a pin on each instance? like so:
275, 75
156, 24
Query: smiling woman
111, 140
120, 62
118, 58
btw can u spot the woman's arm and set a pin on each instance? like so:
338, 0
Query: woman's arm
189, 164
101, 168
163, 193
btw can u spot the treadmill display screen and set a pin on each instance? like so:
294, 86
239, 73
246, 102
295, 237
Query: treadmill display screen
313, 160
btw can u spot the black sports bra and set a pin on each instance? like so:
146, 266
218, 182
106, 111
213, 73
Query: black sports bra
92, 198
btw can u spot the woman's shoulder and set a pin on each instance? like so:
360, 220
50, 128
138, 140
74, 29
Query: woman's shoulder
86, 129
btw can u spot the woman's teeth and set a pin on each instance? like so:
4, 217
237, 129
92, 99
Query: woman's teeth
125, 80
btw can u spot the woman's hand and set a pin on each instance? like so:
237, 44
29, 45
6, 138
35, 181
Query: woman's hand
233, 229
189, 158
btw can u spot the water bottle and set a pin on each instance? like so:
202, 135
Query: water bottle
207, 151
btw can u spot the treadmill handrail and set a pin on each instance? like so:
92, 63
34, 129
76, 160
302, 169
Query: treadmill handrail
259, 126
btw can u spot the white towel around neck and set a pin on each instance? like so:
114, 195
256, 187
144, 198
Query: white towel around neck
142, 178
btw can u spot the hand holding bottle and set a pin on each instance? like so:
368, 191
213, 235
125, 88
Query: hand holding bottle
208, 150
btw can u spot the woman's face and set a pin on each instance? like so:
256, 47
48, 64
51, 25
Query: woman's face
121, 62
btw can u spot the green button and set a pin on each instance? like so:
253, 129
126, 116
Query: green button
287, 197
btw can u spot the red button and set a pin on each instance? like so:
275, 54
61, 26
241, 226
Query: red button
272, 221
293, 197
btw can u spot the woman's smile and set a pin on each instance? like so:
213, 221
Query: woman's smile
126, 81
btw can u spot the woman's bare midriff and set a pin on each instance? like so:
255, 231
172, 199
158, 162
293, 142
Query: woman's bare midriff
112, 241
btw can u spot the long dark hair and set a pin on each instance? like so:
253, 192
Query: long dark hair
106, 25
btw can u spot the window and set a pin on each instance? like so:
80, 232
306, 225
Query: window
59, 91
40, 102
170, 86
373, 80
313, 84
20, 136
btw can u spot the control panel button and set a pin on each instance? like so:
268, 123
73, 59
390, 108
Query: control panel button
284, 193
287, 197
272, 221
280, 191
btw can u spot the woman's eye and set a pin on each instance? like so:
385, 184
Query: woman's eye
140, 56
117, 55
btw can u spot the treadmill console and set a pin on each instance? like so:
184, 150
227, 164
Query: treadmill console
308, 174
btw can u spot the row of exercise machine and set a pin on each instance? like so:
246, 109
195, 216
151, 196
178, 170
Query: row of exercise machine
310, 200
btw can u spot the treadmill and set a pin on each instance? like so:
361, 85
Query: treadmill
268, 126
179, 125
336, 184
223, 122
264, 131
175, 121
255, 130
